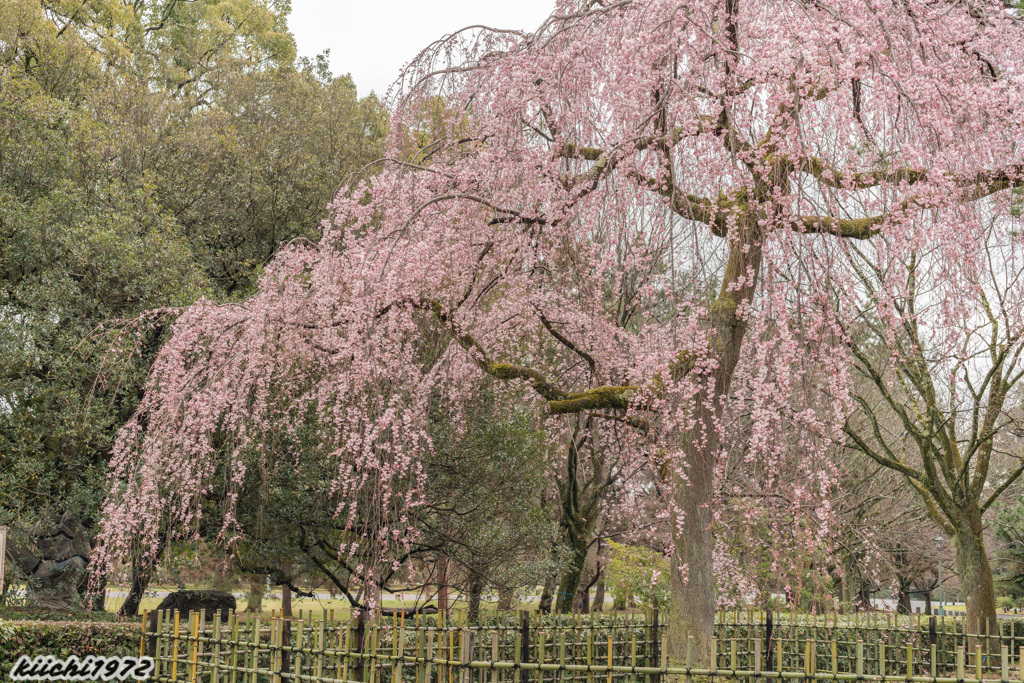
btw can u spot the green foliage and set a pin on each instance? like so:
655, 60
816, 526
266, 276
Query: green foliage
1007, 603
478, 508
64, 638
638, 573
150, 153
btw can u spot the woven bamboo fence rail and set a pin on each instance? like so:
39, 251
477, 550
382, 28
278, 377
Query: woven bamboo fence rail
531, 649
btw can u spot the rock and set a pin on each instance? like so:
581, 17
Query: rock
193, 601
187, 602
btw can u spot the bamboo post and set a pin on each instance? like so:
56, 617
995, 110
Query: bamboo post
654, 645
255, 646
295, 654
517, 654
1004, 659
200, 647
664, 653
934, 663
341, 664
142, 638
960, 662
397, 650
494, 655
449, 672
835, 659
174, 647
321, 646
159, 643
632, 653
524, 629
561, 655
757, 655
609, 680
234, 647
860, 659
418, 678
357, 650
215, 664
689, 658
590, 653
374, 649
275, 644
429, 657
466, 656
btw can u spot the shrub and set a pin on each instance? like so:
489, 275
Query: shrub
636, 572
65, 638
1007, 603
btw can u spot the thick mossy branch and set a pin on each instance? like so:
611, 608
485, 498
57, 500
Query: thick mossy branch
598, 398
854, 228
560, 402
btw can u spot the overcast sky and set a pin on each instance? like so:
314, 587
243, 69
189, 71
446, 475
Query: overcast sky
373, 39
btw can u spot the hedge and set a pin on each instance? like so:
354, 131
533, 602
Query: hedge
64, 638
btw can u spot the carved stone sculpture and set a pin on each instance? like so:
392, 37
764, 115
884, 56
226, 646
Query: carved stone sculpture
54, 560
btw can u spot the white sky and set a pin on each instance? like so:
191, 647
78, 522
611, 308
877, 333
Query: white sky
373, 39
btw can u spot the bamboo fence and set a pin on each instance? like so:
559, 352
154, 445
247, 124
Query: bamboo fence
526, 648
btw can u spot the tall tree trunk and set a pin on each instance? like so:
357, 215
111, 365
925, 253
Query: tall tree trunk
928, 602
976, 581
572, 574
581, 603
254, 596
693, 596
599, 593
903, 596
476, 589
442, 585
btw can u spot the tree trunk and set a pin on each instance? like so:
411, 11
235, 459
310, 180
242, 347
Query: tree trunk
505, 595
928, 602
976, 583
142, 573
546, 596
571, 575
863, 596
442, 585
286, 601
581, 601
599, 593
476, 589
254, 596
97, 600
903, 596
693, 598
